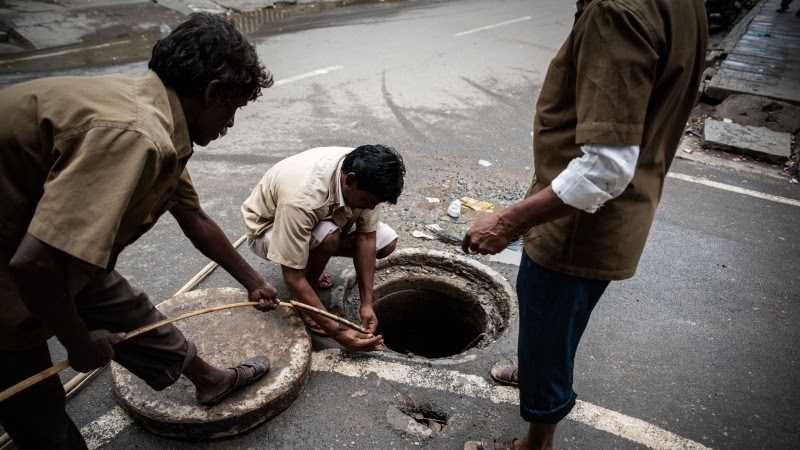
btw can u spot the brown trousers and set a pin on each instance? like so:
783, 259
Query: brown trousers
107, 301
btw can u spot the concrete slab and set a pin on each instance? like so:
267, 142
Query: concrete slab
748, 138
224, 339
764, 60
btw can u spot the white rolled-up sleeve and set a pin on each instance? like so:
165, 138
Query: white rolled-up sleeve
601, 174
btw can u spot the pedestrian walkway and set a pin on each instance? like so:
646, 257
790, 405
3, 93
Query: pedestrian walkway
766, 59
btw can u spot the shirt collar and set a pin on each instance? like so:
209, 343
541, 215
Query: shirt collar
180, 129
336, 189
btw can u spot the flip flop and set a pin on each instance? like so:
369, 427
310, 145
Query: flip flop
325, 281
259, 366
505, 372
487, 445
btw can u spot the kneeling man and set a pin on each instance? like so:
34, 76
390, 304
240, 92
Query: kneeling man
321, 203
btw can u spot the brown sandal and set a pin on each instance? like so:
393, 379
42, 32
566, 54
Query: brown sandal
325, 281
245, 374
493, 445
505, 372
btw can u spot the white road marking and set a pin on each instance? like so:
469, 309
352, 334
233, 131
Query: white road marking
65, 52
313, 73
459, 383
489, 27
105, 428
736, 189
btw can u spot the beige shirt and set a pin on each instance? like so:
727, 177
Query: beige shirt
627, 75
90, 163
294, 196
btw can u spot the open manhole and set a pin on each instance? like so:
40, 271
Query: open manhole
435, 304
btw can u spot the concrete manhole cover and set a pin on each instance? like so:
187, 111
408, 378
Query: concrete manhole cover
224, 339
435, 304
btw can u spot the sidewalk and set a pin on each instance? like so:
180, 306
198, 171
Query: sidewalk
44, 35
765, 60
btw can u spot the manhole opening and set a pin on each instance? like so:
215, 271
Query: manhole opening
433, 323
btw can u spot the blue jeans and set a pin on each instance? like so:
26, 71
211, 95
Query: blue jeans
554, 309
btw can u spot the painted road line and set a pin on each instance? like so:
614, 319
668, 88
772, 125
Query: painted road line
105, 428
736, 189
489, 27
459, 383
65, 52
303, 76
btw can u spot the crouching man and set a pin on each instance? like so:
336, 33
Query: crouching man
321, 203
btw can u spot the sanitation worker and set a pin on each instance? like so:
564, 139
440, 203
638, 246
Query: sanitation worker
322, 203
88, 165
609, 118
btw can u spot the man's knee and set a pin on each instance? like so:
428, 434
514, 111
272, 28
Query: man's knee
330, 244
387, 250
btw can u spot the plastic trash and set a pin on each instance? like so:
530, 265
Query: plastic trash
454, 209
477, 205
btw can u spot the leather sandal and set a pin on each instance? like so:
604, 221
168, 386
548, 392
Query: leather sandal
494, 444
505, 372
245, 374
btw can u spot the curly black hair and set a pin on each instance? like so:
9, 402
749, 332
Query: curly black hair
204, 48
379, 170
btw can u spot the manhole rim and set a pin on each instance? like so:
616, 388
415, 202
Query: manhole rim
398, 258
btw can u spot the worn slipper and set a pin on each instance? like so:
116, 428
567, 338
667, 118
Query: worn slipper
487, 445
245, 374
325, 281
505, 372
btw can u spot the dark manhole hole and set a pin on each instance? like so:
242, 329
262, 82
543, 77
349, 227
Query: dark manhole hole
432, 304
429, 323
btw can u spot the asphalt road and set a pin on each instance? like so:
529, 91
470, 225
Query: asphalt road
699, 349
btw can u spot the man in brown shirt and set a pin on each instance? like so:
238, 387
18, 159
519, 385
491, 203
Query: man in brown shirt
321, 203
608, 120
89, 164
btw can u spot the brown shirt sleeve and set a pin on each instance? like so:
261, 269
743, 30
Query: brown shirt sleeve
615, 63
185, 196
291, 236
96, 175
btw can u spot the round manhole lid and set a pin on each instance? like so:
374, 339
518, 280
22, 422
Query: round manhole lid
223, 339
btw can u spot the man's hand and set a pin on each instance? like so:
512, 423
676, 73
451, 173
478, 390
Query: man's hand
369, 321
265, 295
489, 234
353, 340
95, 352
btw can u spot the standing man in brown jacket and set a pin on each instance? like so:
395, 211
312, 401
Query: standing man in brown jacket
88, 165
609, 119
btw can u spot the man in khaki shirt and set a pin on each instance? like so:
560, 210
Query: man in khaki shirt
89, 164
321, 203
609, 118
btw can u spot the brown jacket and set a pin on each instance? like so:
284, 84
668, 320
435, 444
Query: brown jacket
628, 74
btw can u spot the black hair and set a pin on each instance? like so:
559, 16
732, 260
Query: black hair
204, 48
378, 169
